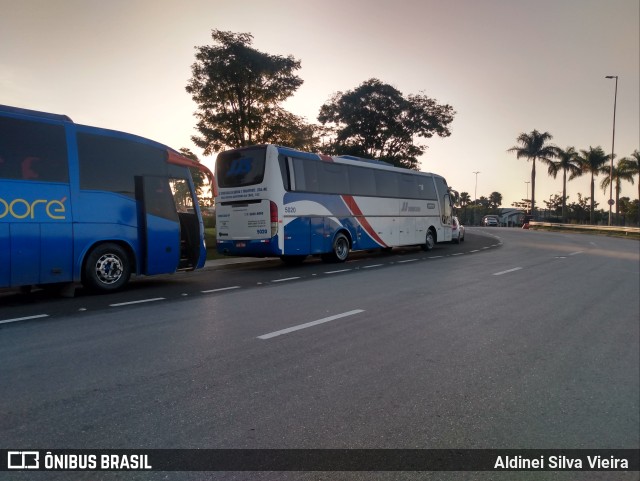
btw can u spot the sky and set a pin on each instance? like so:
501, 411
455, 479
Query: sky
505, 66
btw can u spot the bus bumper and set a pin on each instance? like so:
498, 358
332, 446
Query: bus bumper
249, 248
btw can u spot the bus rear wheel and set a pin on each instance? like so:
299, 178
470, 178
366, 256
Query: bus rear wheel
340, 250
429, 242
107, 268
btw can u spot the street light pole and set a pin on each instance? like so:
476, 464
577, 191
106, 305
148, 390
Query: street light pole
475, 198
613, 143
475, 193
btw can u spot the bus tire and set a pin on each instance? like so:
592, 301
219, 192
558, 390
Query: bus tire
293, 260
340, 249
430, 241
107, 268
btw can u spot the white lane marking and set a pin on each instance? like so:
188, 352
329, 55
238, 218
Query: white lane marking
457, 254
310, 324
576, 253
286, 279
374, 265
507, 271
220, 289
435, 257
17, 319
137, 302
475, 250
336, 272
407, 260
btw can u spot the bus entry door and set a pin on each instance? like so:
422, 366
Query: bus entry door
158, 225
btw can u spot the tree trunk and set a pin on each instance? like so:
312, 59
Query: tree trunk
592, 200
533, 189
564, 196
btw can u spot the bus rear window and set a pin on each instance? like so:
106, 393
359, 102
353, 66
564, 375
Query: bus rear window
238, 168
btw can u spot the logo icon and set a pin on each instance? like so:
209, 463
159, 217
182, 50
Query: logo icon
23, 460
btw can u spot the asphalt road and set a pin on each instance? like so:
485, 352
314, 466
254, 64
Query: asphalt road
526, 341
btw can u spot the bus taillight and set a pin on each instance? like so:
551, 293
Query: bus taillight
273, 208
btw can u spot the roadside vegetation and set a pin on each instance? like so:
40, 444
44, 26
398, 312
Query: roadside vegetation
240, 91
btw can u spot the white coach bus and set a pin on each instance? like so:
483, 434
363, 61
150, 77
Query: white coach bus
278, 202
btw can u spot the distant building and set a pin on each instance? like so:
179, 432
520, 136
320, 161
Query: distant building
511, 217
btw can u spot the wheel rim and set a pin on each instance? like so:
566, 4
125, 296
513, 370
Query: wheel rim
342, 248
109, 269
430, 242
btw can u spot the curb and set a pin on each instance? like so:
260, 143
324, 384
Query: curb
217, 263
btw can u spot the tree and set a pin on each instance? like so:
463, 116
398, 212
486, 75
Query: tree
524, 204
238, 90
534, 147
623, 170
290, 130
376, 121
579, 209
464, 199
593, 162
554, 204
198, 177
495, 200
567, 162
629, 210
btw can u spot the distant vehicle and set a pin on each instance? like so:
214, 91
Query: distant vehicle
457, 231
277, 202
490, 221
85, 204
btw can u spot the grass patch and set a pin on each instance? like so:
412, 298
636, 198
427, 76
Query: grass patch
210, 238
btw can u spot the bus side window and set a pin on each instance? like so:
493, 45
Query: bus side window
26, 147
30, 168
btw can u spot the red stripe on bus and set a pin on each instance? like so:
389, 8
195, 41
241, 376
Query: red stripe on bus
355, 210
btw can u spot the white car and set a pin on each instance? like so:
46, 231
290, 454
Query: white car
490, 221
457, 231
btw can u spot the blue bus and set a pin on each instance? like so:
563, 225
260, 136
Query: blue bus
278, 202
81, 204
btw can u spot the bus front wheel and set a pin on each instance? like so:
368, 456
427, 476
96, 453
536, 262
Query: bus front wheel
107, 268
340, 250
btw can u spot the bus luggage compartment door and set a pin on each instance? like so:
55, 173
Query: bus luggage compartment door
158, 225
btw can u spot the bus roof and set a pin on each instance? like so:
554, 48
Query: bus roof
34, 113
173, 157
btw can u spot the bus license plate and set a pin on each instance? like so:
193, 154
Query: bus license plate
241, 244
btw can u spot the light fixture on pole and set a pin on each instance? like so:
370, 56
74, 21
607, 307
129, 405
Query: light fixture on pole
613, 143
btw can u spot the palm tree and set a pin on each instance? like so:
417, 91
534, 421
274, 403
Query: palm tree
465, 200
621, 171
567, 162
495, 200
634, 164
534, 147
593, 162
